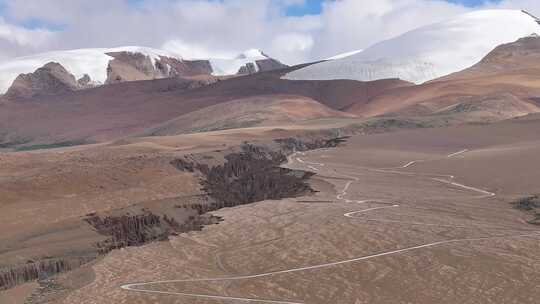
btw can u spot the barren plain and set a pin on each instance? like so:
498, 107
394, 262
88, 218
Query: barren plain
419, 216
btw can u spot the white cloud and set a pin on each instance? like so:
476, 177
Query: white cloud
193, 51
356, 24
294, 46
18, 41
210, 28
293, 42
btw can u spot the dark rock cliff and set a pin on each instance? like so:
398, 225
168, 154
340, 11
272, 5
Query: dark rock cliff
531, 205
292, 144
254, 174
15, 275
264, 65
139, 229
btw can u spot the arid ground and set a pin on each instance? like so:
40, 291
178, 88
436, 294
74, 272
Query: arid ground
418, 216
172, 182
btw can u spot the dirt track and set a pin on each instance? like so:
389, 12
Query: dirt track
141, 287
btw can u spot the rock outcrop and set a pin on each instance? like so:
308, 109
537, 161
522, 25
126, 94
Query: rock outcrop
144, 227
531, 205
293, 144
254, 174
50, 79
98, 66
33, 270
263, 65
130, 66
85, 82
184, 68
54, 79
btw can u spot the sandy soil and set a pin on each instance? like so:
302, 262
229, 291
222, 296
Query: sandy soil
267, 110
502, 85
18, 294
418, 216
279, 235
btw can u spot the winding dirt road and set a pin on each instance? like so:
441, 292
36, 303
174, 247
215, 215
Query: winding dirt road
143, 286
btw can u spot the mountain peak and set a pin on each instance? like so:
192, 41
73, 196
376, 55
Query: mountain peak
531, 15
52, 78
431, 51
130, 63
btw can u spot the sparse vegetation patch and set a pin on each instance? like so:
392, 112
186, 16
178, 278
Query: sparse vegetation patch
531, 205
69, 143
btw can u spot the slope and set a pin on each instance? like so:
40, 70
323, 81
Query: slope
431, 51
118, 110
261, 110
504, 84
131, 63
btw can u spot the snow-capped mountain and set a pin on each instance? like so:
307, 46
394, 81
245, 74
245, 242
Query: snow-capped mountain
343, 55
431, 51
98, 66
80, 62
248, 62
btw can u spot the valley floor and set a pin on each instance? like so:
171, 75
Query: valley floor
419, 216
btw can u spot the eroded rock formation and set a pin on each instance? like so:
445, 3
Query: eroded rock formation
129, 66
293, 144
139, 229
33, 270
50, 79
263, 65
531, 205
254, 174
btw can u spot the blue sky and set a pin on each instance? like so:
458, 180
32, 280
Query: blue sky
313, 7
310, 7
470, 2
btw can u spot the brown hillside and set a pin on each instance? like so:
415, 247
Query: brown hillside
504, 84
118, 110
